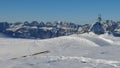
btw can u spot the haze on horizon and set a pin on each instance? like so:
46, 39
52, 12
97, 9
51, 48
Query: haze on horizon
77, 11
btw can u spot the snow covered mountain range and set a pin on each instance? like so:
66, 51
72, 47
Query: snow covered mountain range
58, 28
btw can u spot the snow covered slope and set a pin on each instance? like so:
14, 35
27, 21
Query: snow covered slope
75, 51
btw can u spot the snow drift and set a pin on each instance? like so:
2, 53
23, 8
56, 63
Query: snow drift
75, 51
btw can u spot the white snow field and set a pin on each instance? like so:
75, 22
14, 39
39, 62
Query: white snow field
75, 51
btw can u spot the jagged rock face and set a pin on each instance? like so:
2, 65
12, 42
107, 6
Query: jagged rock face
97, 28
40, 30
49, 30
110, 26
116, 31
3, 26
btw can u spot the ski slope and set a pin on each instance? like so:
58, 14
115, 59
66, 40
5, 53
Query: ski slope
75, 51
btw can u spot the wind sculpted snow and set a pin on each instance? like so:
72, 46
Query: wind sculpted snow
75, 51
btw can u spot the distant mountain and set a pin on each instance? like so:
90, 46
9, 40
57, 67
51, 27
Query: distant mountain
97, 28
55, 29
38, 30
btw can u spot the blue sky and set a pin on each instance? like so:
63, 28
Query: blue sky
77, 11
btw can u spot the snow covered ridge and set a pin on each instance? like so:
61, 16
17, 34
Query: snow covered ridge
58, 28
74, 51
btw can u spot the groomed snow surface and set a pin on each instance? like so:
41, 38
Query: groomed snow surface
75, 51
